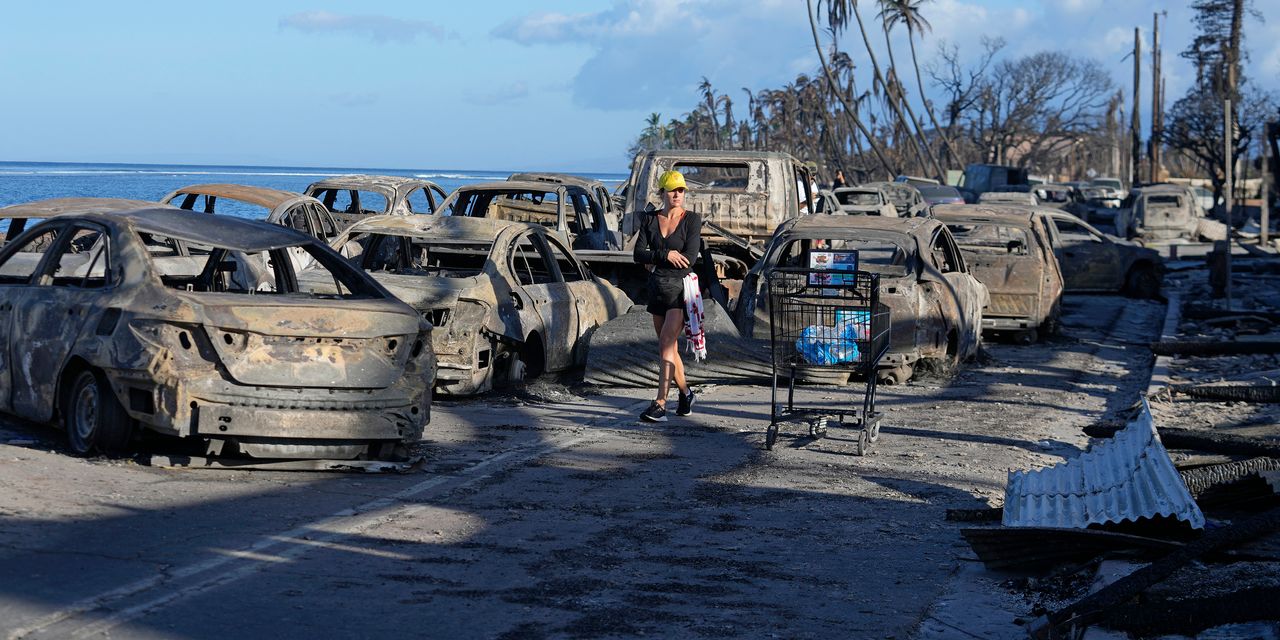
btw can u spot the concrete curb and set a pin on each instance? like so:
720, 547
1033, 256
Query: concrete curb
1160, 371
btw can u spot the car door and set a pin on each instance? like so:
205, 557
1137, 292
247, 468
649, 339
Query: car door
69, 288
1089, 260
962, 297
542, 289
594, 300
17, 271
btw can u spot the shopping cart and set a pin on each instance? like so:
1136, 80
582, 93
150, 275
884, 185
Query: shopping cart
825, 322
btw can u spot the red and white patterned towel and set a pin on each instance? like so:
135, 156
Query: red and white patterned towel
694, 318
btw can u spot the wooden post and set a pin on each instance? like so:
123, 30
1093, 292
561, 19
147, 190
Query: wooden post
1136, 124
1266, 187
1157, 109
1228, 189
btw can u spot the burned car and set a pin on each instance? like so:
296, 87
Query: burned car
611, 206
14, 219
1166, 212
285, 208
567, 210
935, 304
1096, 262
1025, 198
867, 201
354, 197
904, 197
136, 319
1010, 250
508, 300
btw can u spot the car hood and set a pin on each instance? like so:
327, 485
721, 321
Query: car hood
432, 292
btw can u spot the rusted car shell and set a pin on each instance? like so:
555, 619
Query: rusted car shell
935, 308
847, 201
1022, 277
491, 326
1096, 262
903, 196
586, 227
18, 217
282, 207
396, 190
596, 188
273, 376
1166, 212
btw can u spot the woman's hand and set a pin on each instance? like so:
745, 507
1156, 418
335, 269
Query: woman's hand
677, 259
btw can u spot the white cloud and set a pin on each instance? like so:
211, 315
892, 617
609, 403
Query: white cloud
379, 29
1076, 6
651, 54
498, 95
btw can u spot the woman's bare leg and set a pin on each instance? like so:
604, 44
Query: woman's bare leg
670, 365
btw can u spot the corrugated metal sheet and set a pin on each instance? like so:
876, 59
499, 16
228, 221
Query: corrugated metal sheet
1129, 477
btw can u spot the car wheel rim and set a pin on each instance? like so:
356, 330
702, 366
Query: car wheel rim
86, 411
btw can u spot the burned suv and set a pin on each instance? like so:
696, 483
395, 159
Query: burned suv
198, 326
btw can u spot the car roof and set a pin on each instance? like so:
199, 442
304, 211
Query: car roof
74, 206
369, 181
510, 185
240, 234
694, 154
261, 196
1012, 216
554, 178
844, 225
437, 226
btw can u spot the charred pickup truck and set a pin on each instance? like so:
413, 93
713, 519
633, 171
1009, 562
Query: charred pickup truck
113, 321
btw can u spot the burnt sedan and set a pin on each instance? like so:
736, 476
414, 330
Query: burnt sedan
508, 299
285, 208
935, 304
143, 319
1096, 262
354, 197
1010, 250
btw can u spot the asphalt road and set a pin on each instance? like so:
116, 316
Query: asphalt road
554, 515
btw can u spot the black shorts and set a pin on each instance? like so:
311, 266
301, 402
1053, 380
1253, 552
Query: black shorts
665, 294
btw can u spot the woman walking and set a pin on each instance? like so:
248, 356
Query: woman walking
667, 243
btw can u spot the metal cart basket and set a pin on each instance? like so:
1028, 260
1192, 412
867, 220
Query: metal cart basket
826, 325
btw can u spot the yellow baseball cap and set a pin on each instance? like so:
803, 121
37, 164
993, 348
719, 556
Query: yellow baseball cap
671, 180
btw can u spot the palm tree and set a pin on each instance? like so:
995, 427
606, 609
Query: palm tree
709, 95
899, 91
850, 112
907, 13
838, 13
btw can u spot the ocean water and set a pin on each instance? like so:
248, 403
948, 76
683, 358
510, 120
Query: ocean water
27, 181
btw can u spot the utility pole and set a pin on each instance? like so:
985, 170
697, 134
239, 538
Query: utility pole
1157, 108
1266, 185
1227, 144
1135, 127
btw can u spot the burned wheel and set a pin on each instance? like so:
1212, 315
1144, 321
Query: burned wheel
864, 442
1142, 282
771, 436
93, 417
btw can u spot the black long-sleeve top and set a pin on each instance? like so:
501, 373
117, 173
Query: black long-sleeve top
651, 247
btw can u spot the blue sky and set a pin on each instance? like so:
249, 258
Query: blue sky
561, 85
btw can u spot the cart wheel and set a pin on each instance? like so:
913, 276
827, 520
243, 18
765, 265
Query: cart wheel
875, 431
771, 436
818, 428
864, 442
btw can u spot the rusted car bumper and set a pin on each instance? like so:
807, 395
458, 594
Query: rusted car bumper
1012, 312
212, 408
